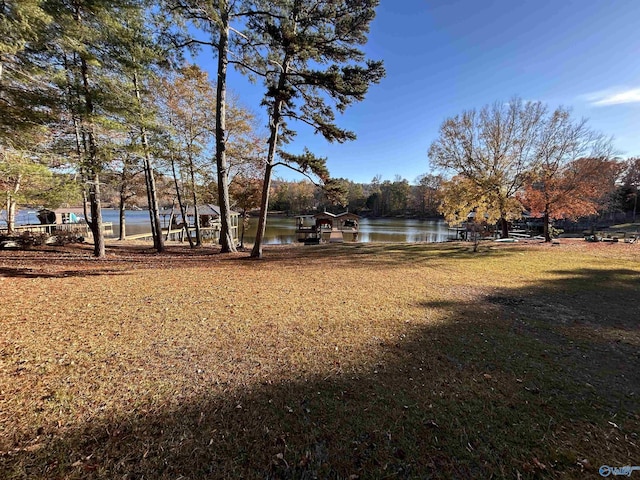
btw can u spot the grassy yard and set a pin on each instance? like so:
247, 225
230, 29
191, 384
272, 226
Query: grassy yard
337, 361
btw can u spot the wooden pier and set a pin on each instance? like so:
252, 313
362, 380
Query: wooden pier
180, 234
52, 228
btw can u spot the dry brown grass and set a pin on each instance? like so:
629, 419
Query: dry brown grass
348, 361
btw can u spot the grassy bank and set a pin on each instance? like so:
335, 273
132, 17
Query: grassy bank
336, 361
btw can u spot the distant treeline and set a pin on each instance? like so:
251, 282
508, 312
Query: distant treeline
422, 198
379, 198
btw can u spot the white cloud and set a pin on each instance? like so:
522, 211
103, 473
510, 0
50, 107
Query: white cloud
614, 97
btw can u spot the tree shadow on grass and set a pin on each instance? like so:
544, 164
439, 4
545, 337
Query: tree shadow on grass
586, 325
378, 254
203, 251
600, 298
76, 260
492, 391
32, 273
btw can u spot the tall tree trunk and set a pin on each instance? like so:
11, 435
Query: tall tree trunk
152, 219
122, 231
256, 252
547, 233
196, 215
92, 164
79, 134
274, 122
94, 167
226, 239
183, 211
96, 217
154, 211
12, 205
635, 205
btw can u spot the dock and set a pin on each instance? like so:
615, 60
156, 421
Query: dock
52, 228
179, 234
327, 227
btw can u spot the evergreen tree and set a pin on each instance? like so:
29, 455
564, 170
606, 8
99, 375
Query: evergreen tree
138, 56
26, 102
306, 53
24, 89
80, 33
96, 48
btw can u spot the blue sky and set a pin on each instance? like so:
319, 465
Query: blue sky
446, 56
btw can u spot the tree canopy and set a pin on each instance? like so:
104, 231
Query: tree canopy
307, 55
513, 152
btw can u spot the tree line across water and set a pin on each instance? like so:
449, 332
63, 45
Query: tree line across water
378, 198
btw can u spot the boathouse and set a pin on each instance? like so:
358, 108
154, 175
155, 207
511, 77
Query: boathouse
65, 219
327, 227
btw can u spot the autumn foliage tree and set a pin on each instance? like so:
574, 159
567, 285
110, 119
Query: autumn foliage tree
461, 198
514, 151
491, 149
188, 110
570, 170
570, 191
464, 201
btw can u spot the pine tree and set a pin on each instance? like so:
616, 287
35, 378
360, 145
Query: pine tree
306, 52
138, 55
24, 88
94, 51
26, 101
80, 34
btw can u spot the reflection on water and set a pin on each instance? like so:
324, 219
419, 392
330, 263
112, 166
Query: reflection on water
137, 221
282, 230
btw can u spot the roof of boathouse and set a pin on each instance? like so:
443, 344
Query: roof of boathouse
204, 209
342, 216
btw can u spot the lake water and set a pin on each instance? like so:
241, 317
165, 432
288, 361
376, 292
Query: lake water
282, 230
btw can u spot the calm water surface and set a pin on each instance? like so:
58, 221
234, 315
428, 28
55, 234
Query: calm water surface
282, 230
